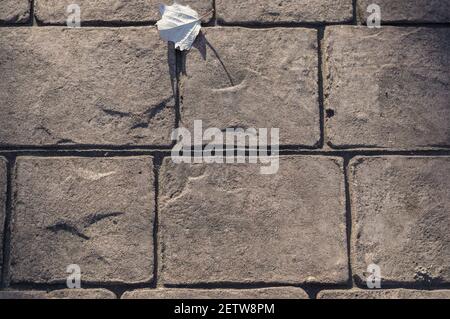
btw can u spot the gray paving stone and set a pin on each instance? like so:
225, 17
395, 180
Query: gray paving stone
85, 86
14, 294
387, 88
418, 11
117, 11
384, 294
268, 11
254, 78
14, 11
81, 294
266, 293
228, 223
400, 211
93, 212
58, 294
3, 181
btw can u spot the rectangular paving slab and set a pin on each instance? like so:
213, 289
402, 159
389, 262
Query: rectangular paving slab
81, 294
85, 86
228, 223
384, 294
250, 78
3, 182
387, 87
96, 213
58, 294
288, 11
417, 11
264, 293
14, 11
118, 11
400, 208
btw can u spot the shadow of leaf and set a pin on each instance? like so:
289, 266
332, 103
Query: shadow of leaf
202, 45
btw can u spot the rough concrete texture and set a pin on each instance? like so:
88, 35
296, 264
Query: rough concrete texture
231, 81
401, 222
85, 86
269, 11
81, 294
407, 11
14, 294
98, 214
59, 294
228, 223
14, 11
387, 87
266, 293
116, 11
384, 294
3, 181
82, 110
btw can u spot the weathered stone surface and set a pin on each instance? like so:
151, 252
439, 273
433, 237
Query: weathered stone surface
250, 78
14, 11
2, 205
384, 294
59, 294
93, 212
116, 11
84, 86
14, 294
229, 223
401, 216
81, 294
387, 87
407, 10
267, 293
263, 11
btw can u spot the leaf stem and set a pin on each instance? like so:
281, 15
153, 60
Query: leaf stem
205, 14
